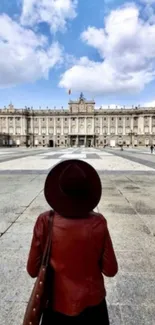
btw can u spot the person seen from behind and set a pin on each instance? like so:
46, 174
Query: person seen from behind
152, 148
82, 250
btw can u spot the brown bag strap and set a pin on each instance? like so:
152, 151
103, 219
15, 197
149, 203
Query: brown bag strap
48, 246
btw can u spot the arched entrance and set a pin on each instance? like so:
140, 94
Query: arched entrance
51, 143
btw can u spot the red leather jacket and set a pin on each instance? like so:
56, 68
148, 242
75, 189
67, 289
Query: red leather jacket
81, 252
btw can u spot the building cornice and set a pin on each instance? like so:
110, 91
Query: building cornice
96, 112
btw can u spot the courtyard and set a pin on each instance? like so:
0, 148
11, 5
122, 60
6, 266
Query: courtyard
128, 204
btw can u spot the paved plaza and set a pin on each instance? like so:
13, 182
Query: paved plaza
128, 203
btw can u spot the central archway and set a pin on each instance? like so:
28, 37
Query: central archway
51, 143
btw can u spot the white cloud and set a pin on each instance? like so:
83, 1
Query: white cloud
149, 104
24, 55
127, 49
56, 13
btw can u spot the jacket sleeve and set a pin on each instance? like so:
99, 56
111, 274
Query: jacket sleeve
36, 252
109, 261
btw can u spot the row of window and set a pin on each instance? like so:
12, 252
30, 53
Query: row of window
65, 130
80, 118
96, 118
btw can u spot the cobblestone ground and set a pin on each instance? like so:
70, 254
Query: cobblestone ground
128, 181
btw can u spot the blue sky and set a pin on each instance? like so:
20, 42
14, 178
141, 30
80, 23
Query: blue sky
104, 48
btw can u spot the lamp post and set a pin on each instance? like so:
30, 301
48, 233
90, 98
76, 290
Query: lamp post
94, 132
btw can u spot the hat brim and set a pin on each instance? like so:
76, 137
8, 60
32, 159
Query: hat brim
65, 205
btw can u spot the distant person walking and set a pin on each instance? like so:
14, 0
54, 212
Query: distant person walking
152, 148
82, 249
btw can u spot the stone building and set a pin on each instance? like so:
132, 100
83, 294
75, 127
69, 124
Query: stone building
81, 124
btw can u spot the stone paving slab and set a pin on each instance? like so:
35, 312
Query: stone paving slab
144, 159
115, 315
53, 156
6, 172
9, 314
15, 242
118, 221
136, 289
135, 262
19, 153
106, 162
138, 315
32, 163
149, 220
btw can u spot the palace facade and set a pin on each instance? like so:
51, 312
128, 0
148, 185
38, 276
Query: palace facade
81, 124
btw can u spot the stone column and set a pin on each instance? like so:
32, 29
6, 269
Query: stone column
85, 129
85, 141
7, 124
31, 124
14, 126
62, 126
54, 131
123, 125
47, 131
7, 128
150, 130
69, 129
116, 126
23, 128
93, 126
150, 124
30, 128
131, 125
108, 125
141, 125
21, 125
40, 126
47, 127
131, 130
85, 125
69, 125
101, 129
101, 126
78, 125
62, 130
22, 131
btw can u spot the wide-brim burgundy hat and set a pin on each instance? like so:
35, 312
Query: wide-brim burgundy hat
73, 188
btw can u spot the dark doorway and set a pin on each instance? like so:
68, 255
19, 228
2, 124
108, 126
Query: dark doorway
81, 141
89, 141
73, 141
51, 144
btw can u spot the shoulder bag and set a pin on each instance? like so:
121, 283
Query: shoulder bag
39, 298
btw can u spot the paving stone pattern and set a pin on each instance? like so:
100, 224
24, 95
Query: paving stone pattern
103, 160
127, 203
